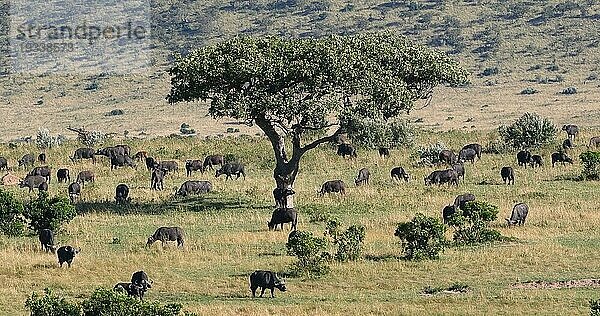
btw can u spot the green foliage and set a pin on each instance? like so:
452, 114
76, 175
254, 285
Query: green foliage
349, 242
310, 252
11, 215
92, 138
529, 131
422, 237
497, 146
49, 213
591, 165
51, 305
109, 302
375, 134
594, 307
44, 140
471, 223
429, 155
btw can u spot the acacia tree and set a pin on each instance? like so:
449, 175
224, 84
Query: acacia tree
290, 88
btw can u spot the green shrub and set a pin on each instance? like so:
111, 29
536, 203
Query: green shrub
529, 131
49, 213
594, 307
471, 223
497, 146
375, 134
422, 237
310, 252
349, 242
11, 215
591, 165
51, 305
429, 155
109, 302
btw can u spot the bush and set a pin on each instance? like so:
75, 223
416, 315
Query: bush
569, 90
529, 131
594, 307
490, 71
11, 215
109, 302
44, 140
528, 91
49, 213
310, 251
375, 134
51, 305
115, 112
471, 224
429, 155
92, 138
497, 146
591, 165
422, 238
186, 130
349, 242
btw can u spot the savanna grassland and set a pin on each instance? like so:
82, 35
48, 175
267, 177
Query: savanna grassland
227, 235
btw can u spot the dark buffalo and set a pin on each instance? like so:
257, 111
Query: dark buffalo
467, 154
42, 158
84, 153
150, 163
164, 234
460, 170
398, 173
536, 161
447, 212
194, 187
462, 199
519, 214
363, 177
34, 182
170, 165
193, 165
126, 149
280, 196
524, 158
43, 187
46, 238
131, 289
562, 158
508, 175
384, 152
111, 151
282, 216
63, 175
213, 160
448, 157
333, 186
26, 160
3, 164
231, 168
121, 194
41, 171
74, 191
265, 280
157, 180
476, 147
140, 279
346, 150
141, 155
66, 254
85, 176
121, 161
440, 177
594, 142
568, 144
571, 130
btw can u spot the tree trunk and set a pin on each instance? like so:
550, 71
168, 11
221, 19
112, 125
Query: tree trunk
285, 176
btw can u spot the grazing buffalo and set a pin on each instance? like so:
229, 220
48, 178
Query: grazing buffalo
440, 177
571, 130
231, 168
460, 170
67, 254
84, 153
141, 279
85, 176
524, 158
462, 199
568, 144
26, 160
265, 280
447, 212
562, 158
141, 155
3, 164
169, 166
384, 152
150, 163
121, 161
508, 175
594, 142
111, 151
131, 289
448, 157
476, 147
467, 154
536, 161
42, 158
194, 187
164, 234
333, 186
519, 214
281, 195
126, 149
346, 150
46, 238
157, 180
63, 175
74, 192
121, 194
363, 177
193, 165
398, 173
34, 182
41, 171
282, 216
213, 160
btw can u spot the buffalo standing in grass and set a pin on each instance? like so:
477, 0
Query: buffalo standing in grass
447, 212
74, 192
467, 154
476, 147
26, 160
141, 280
508, 175
85, 176
46, 238
537, 161
460, 170
363, 177
213, 160
265, 280
571, 130
594, 142
519, 214
169, 166
63, 175
44, 171
67, 254
157, 179
122, 194
194, 187
440, 177
84, 153
164, 234
562, 158
461, 200
333, 186
121, 161
111, 151
524, 158
346, 150
231, 168
34, 182
150, 163
384, 152
398, 173
3, 164
131, 289
282, 216
448, 157
193, 165
42, 158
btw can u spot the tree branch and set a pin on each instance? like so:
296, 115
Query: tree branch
277, 141
322, 141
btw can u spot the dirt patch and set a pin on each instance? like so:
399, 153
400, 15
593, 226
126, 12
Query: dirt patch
558, 285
